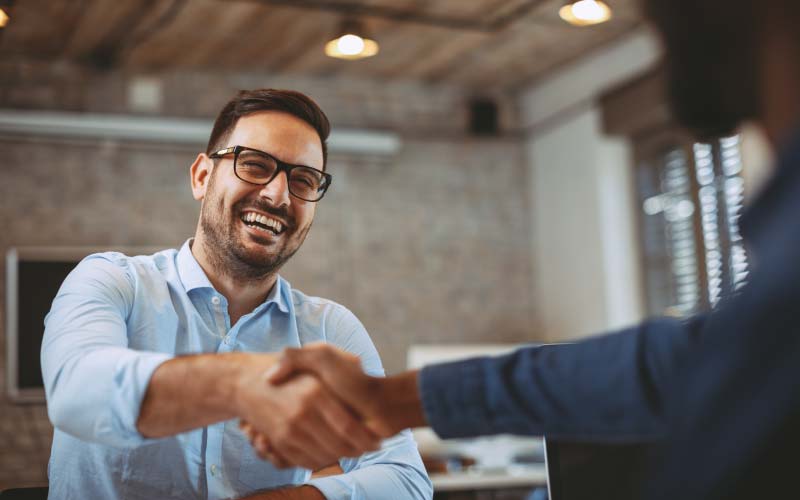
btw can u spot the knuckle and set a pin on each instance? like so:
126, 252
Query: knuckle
315, 391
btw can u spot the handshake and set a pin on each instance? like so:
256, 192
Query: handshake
315, 405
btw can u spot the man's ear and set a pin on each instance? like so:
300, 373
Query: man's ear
200, 173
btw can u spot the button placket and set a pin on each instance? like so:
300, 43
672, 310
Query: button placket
219, 316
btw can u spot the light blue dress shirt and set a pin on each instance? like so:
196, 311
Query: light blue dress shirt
116, 318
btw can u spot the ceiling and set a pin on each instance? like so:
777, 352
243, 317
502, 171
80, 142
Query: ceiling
477, 43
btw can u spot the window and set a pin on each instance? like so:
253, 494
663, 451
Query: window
691, 197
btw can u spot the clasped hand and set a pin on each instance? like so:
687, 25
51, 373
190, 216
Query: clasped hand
313, 407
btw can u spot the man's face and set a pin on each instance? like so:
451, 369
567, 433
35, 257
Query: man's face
238, 245
711, 58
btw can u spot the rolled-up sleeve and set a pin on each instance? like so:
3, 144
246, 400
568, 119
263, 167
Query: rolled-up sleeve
395, 471
94, 383
392, 473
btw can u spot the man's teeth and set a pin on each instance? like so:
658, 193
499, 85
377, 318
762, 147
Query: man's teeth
273, 224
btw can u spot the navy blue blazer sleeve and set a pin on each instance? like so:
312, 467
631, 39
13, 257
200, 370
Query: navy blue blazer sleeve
609, 388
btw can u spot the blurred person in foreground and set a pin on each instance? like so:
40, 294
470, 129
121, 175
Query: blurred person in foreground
148, 360
717, 392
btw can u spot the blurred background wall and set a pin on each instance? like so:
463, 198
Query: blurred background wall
531, 232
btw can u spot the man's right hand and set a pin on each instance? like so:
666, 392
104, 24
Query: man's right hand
388, 405
300, 418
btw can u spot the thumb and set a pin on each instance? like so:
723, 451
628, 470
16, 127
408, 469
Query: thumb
280, 372
286, 366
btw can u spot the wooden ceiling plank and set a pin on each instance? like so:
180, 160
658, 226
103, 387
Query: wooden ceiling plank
41, 29
235, 28
95, 26
494, 64
169, 47
448, 54
281, 31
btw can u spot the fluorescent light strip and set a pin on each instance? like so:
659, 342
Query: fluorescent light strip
167, 130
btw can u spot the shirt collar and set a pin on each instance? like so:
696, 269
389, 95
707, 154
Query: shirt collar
280, 294
193, 277
189, 270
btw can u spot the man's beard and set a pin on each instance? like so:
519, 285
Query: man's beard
711, 62
225, 249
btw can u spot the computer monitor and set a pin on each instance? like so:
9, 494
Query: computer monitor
596, 471
33, 277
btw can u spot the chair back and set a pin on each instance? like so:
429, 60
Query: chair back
39, 493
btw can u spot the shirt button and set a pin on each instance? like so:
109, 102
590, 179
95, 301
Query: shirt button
227, 339
215, 300
213, 469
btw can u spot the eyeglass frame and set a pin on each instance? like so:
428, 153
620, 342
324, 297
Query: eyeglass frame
281, 166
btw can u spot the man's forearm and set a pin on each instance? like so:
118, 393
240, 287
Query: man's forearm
304, 492
188, 392
400, 405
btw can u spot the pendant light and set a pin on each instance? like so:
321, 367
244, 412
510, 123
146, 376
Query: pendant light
352, 42
585, 12
4, 16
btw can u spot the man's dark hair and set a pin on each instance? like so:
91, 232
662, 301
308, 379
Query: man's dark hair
711, 60
247, 102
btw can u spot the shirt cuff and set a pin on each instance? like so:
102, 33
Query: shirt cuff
454, 398
132, 377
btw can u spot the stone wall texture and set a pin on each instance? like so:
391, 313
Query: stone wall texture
430, 245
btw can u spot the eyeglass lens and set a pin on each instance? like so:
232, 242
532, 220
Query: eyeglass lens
304, 182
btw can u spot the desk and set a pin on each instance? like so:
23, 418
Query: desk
514, 484
517, 477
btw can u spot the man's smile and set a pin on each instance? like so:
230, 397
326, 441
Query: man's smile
263, 223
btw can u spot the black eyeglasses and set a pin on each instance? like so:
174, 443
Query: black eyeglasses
260, 168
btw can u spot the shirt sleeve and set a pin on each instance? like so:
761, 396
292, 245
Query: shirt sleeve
395, 471
610, 388
94, 383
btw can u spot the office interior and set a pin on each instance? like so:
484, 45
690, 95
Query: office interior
501, 176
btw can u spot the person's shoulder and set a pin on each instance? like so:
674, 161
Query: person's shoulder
303, 303
320, 313
132, 267
321, 319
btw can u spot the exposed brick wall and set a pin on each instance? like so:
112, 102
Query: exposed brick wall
429, 246
407, 106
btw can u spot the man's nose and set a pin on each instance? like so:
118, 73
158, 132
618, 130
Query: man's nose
277, 190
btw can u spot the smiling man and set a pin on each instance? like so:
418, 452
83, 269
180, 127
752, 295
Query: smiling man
149, 360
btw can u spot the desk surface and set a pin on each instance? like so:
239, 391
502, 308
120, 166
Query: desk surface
514, 477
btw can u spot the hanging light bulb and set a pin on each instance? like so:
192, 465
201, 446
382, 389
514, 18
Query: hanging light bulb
352, 43
585, 12
3, 18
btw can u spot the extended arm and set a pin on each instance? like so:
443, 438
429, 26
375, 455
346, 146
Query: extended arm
295, 493
607, 388
195, 391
